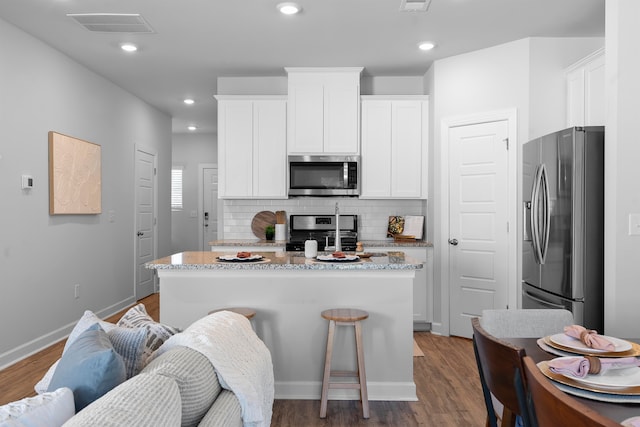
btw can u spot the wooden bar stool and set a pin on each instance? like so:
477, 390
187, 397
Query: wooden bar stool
348, 317
249, 313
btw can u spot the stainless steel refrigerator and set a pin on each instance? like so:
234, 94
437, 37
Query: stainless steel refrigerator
563, 248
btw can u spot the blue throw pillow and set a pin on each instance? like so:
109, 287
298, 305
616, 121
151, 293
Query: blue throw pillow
90, 367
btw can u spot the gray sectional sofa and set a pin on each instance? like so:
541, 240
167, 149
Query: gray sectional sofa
180, 387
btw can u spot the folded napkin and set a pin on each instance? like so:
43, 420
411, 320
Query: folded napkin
579, 367
589, 337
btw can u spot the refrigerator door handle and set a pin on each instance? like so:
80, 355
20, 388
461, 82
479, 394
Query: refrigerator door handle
535, 220
541, 301
526, 221
546, 228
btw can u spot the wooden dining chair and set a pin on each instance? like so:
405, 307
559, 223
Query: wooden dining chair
500, 368
550, 407
519, 323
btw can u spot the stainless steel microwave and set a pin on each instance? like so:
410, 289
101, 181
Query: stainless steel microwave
324, 175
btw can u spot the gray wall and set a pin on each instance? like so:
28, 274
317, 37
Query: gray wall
190, 151
42, 257
622, 174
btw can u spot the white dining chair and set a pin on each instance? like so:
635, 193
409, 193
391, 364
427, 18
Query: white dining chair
531, 323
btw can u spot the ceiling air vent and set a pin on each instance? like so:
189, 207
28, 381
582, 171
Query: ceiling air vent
112, 22
414, 5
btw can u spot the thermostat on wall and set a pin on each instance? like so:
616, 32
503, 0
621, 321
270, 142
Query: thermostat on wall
27, 182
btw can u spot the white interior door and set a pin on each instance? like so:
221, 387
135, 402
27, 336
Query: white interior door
209, 211
478, 221
145, 222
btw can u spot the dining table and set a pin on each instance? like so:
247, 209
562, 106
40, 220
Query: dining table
617, 411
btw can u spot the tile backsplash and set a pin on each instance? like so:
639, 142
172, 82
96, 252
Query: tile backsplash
373, 215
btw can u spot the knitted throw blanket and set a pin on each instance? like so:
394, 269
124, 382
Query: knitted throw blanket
241, 360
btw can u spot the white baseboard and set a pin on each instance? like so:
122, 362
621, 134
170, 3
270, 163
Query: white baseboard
27, 349
436, 329
311, 390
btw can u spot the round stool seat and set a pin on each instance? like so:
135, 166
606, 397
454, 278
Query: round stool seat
249, 313
345, 314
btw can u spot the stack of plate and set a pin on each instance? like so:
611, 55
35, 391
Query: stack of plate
618, 381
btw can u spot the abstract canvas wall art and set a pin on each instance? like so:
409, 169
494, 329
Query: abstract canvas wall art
75, 176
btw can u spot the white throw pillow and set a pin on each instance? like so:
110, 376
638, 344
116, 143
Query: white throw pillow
50, 409
42, 385
87, 320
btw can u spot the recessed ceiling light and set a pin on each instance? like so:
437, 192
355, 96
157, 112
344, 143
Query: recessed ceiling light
128, 47
426, 45
289, 8
189, 101
192, 127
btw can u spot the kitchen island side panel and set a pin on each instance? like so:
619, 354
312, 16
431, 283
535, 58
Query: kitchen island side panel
288, 305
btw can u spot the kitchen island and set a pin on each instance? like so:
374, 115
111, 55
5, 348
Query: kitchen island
289, 292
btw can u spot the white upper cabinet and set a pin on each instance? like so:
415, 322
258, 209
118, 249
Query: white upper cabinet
394, 147
375, 163
323, 110
586, 91
252, 154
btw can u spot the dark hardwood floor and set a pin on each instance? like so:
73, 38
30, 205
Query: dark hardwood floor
446, 380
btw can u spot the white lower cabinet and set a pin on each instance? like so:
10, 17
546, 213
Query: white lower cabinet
394, 147
252, 147
422, 284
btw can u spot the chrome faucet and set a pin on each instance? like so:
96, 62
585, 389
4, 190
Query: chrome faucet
338, 242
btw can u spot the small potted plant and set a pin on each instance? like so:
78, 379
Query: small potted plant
269, 232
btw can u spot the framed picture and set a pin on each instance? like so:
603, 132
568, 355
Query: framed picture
75, 176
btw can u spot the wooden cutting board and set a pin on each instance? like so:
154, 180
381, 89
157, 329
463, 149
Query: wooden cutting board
260, 222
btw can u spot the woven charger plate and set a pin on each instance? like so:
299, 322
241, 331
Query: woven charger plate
260, 222
635, 350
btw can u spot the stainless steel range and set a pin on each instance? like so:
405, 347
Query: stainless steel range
322, 228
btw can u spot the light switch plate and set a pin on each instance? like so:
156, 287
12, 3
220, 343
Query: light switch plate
634, 224
27, 182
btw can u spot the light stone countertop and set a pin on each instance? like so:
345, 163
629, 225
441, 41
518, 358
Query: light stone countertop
388, 243
394, 260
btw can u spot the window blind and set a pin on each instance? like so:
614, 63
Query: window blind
176, 188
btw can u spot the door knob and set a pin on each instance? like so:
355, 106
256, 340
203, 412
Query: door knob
453, 242
140, 233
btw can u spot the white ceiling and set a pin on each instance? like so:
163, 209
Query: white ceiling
197, 41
